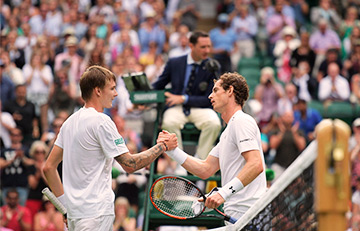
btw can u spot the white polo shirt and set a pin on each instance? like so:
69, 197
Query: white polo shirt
90, 141
241, 134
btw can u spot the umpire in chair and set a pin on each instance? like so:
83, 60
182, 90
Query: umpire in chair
191, 77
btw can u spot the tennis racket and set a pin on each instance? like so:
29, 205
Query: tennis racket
174, 196
52, 198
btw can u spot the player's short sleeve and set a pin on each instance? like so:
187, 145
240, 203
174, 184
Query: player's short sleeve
245, 135
59, 139
215, 151
110, 140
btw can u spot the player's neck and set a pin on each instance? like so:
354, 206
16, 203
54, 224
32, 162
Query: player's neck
94, 105
230, 111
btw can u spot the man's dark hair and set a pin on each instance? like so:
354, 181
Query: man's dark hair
12, 190
241, 89
196, 35
20, 85
11, 132
301, 101
94, 76
332, 51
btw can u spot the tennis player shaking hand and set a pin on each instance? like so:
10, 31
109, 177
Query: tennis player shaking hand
87, 144
238, 155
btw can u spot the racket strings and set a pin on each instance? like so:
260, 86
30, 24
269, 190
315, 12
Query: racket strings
175, 197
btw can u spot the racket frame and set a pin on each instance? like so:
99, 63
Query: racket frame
223, 215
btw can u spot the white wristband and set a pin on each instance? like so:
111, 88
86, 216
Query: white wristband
232, 187
62, 200
178, 155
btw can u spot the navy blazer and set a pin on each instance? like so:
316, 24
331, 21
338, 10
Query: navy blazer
174, 72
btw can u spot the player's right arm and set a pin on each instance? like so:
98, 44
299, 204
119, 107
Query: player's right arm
133, 162
202, 168
51, 173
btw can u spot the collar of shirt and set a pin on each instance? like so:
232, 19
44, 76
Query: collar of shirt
303, 78
190, 60
335, 80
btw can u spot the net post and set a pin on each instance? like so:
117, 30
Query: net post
332, 177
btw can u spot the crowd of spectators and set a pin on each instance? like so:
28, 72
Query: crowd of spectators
47, 44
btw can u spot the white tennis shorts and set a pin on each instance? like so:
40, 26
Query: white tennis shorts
104, 223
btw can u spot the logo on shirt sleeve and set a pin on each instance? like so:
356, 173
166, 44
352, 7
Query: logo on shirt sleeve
244, 140
119, 141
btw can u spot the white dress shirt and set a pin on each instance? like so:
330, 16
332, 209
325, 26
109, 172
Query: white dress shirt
342, 88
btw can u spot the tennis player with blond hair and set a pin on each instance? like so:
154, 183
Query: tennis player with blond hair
87, 144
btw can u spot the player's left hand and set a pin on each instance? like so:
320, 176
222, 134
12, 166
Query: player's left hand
214, 201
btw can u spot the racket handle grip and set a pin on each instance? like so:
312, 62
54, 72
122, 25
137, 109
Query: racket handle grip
230, 219
52, 198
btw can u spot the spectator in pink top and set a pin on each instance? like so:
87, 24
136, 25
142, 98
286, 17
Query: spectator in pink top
275, 25
14, 216
267, 92
48, 218
69, 58
321, 40
324, 38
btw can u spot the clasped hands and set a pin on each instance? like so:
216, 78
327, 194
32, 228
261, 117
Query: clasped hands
169, 139
213, 199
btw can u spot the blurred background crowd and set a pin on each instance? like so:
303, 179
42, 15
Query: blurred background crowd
301, 60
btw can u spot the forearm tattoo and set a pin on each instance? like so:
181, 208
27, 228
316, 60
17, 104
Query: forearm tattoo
142, 159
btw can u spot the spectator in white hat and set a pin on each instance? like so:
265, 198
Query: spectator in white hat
283, 50
70, 60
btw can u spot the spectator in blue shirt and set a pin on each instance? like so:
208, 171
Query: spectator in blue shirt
308, 118
7, 86
150, 31
245, 26
223, 40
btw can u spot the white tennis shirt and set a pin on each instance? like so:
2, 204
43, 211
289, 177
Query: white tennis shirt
90, 141
241, 134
